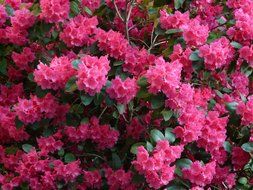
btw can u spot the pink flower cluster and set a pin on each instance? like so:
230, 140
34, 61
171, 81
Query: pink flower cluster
22, 19
92, 5
112, 43
156, 168
246, 111
35, 109
92, 73
246, 53
55, 75
54, 10
195, 33
171, 73
218, 54
213, 134
123, 91
118, 179
135, 129
199, 174
23, 59
48, 145
78, 31
103, 135
3, 15
173, 21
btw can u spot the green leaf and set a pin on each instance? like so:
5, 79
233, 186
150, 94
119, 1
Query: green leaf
178, 3
69, 157
173, 31
221, 20
243, 180
118, 63
3, 66
184, 163
149, 146
86, 99
236, 45
248, 147
134, 147
74, 7
227, 146
195, 56
87, 10
116, 161
71, 85
169, 135
157, 102
61, 152
75, 63
231, 106
160, 3
167, 114
142, 82
9, 10
175, 187
156, 135
121, 108
27, 147
18, 123
98, 99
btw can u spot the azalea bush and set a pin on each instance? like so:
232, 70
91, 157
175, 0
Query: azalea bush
126, 94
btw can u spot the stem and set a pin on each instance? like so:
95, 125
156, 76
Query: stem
102, 112
117, 10
127, 18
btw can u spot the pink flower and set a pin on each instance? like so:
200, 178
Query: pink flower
92, 179
199, 174
246, 53
35, 109
240, 82
24, 58
118, 179
170, 80
246, 111
103, 135
213, 133
239, 158
173, 21
92, 5
16, 35
135, 129
48, 145
3, 15
112, 43
194, 33
54, 10
123, 91
218, 54
78, 31
92, 73
55, 75
79, 134
22, 19
156, 168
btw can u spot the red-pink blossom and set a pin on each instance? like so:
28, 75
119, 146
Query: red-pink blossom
123, 91
171, 75
78, 31
239, 158
55, 75
92, 73
200, 174
54, 10
23, 59
218, 54
194, 33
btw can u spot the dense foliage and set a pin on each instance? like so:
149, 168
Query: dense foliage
126, 94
